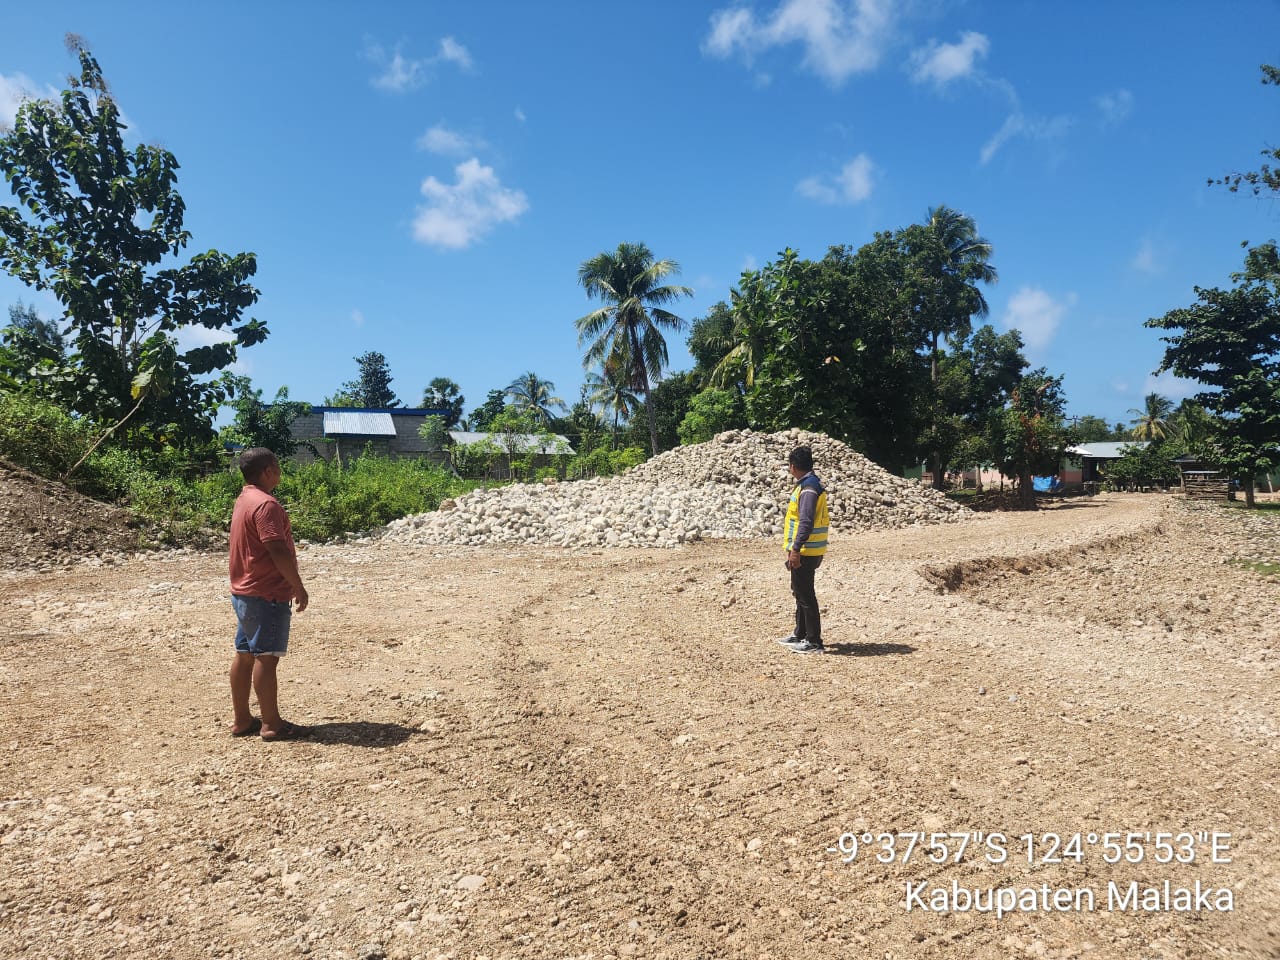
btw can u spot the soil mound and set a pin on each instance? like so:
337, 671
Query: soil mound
44, 522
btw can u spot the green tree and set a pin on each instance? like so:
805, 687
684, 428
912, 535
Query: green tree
1094, 429
100, 226
1151, 421
833, 348
259, 424
610, 389
483, 415
1229, 341
670, 400
710, 412
710, 338
627, 330
948, 261
1143, 465
372, 387
1191, 428
522, 436
1266, 178
31, 350
529, 392
434, 432
1030, 436
443, 394
583, 426
975, 381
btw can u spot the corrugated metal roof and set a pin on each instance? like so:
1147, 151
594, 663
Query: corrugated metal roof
527, 441
1105, 451
362, 424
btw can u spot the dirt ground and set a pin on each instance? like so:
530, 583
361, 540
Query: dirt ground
547, 754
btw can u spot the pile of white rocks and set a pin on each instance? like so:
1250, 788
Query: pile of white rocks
732, 487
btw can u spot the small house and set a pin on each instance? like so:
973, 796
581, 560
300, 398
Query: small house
339, 433
543, 447
1086, 462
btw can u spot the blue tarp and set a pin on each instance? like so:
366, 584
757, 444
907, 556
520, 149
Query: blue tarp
1046, 484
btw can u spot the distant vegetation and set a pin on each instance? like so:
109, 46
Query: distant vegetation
873, 345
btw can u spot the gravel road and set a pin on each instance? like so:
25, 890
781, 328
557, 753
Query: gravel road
537, 753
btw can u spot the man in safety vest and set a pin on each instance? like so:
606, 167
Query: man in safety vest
804, 538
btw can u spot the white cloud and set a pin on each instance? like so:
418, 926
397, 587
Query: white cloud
1011, 126
400, 74
1145, 260
1114, 106
454, 52
749, 262
1036, 315
14, 90
839, 38
456, 216
943, 62
520, 115
440, 139
357, 318
1018, 124
851, 185
1167, 385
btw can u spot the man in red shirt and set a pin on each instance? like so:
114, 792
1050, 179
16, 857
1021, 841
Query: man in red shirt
264, 581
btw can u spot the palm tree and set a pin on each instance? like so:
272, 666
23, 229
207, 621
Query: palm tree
956, 260
740, 347
1151, 422
627, 330
964, 260
530, 392
612, 392
1191, 425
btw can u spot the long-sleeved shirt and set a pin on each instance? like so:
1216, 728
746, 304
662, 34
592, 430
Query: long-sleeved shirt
808, 503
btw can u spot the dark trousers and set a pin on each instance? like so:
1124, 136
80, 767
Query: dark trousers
808, 617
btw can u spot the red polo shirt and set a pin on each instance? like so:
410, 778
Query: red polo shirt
258, 519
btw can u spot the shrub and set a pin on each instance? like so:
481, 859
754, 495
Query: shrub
325, 501
41, 436
711, 412
604, 462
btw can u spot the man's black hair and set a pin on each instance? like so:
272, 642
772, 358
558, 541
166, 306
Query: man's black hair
254, 461
802, 458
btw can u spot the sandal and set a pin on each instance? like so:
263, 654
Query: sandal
290, 731
254, 726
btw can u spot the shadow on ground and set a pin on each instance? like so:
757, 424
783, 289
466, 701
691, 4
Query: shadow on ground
868, 649
362, 733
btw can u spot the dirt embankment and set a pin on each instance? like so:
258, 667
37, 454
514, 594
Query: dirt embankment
44, 523
539, 753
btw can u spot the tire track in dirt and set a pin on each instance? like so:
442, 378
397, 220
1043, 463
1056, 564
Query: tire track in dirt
482, 709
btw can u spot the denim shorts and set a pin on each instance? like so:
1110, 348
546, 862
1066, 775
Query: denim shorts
262, 626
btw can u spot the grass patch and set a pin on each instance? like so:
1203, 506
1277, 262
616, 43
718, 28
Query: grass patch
1262, 568
1270, 507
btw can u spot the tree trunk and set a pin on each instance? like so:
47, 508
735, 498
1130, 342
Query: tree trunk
935, 461
1248, 493
653, 423
1027, 490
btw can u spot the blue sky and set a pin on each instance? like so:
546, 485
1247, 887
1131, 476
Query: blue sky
424, 179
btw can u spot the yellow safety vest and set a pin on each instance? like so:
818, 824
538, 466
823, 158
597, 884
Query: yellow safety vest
816, 545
